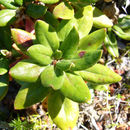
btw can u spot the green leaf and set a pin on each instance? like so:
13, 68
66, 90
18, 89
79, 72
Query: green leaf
124, 22
63, 11
7, 16
100, 20
3, 86
63, 111
26, 71
9, 4
89, 1
4, 65
70, 44
30, 94
40, 49
103, 87
82, 61
65, 65
36, 11
50, 19
46, 35
5, 38
58, 54
27, 1
99, 74
49, 1
84, 21
121, 33
75, 88
64, 28
52, 77
92, 41
19, 2
111, 44
22, 38
40, 54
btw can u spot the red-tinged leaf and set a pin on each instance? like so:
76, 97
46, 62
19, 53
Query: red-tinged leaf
22, 38
29, 25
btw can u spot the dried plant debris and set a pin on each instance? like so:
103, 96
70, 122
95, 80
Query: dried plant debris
126, 4
106, 112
